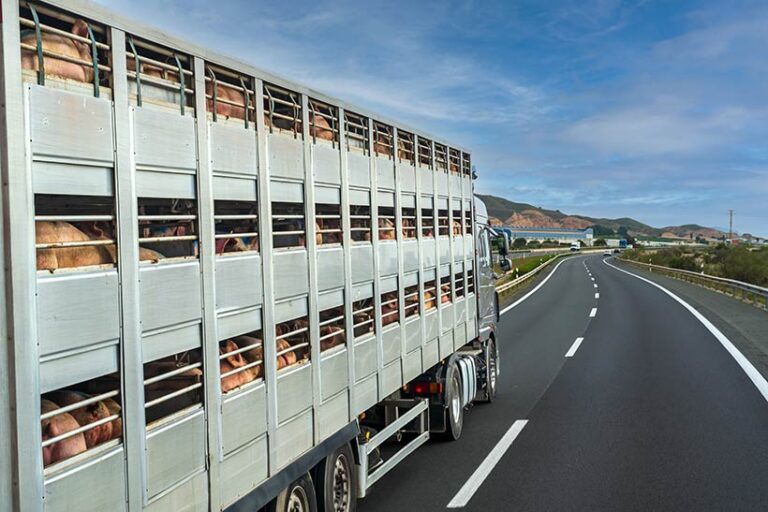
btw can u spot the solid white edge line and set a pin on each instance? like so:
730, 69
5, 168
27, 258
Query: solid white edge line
521, 299
574, 347
593, 313
484, 469
757, 379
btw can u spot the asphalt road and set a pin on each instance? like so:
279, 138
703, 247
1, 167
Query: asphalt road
650, 413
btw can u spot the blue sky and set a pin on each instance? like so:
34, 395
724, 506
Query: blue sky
654, 109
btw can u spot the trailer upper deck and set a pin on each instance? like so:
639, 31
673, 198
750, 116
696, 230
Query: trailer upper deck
210, 269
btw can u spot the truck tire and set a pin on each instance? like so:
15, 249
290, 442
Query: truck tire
492, 371
337, 482
454, 410
297, 497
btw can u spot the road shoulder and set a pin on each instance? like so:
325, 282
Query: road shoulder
745, 325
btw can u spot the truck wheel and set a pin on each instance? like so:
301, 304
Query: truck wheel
454, 410
492, 371
337, 482
297, 497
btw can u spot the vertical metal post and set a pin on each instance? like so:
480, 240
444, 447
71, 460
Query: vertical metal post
311, 228
420, 242
346, 229
207, 266
7, 445
20, 280
400, 239
372, 162
268, 311
128, 270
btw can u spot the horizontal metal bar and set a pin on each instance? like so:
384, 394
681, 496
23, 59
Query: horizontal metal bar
171, 238
173, 395
172, 373
292, 333
67, 58
79, 405
240, 350
392, 428
235, 235
241, 369
84, 428
84, 243
166, 217
73, 218
53, 30
245, 216
293, 348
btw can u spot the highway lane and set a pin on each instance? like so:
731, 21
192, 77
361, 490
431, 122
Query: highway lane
532, 353
650, 413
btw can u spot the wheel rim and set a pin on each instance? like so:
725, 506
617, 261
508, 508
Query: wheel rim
341, 489
298, 500
455, 400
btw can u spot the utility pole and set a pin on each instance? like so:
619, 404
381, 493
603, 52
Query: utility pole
730, 225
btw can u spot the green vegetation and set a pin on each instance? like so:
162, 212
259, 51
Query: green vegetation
523, 266
600, 242
519, 243
732, 262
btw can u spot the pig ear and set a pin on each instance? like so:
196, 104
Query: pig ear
80, 28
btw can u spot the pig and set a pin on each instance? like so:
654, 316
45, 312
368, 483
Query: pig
86, 415
117, 424
56, 426
320, 128
409, 228
63, 46
336, 336
288, 358
70, 257
456, 227
254, 354
429, 299
227, 94
386, 309
67, 257
386, 229
232, 362
175, 383
445, 294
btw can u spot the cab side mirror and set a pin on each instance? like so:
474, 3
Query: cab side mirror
504, 247
506, 265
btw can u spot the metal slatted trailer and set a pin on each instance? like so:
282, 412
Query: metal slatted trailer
238, 282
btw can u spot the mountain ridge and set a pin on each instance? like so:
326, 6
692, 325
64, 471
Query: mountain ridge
512, 213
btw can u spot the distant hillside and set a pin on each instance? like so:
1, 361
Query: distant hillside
526, 215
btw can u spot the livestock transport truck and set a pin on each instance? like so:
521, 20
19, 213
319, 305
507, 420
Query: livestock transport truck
222, 290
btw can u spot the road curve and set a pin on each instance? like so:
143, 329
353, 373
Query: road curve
649, 412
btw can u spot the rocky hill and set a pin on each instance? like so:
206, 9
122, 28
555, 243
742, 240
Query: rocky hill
511, 213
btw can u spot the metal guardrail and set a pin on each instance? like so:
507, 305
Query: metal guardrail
745, 292
519, 280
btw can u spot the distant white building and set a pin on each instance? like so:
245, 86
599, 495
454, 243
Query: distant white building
540, 234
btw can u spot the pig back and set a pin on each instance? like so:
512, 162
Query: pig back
87, 415
56, 426
47, 232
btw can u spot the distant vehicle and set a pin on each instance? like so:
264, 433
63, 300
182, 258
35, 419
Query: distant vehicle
607, 252
616, 251
623, 243
575, 246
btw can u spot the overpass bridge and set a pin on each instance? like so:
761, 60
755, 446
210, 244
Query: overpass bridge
620, 390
